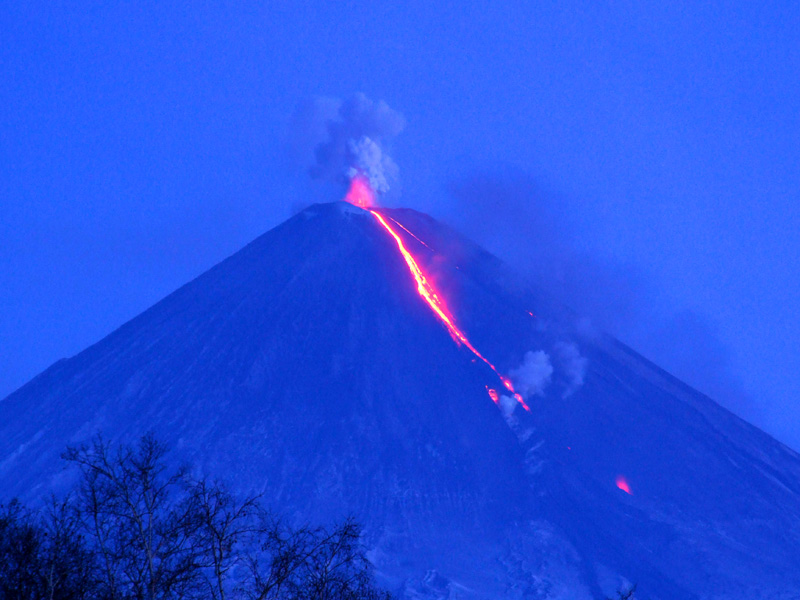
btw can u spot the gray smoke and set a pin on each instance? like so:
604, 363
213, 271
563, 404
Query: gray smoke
510, 214
572, 365
514, 217
533, 375
350, 137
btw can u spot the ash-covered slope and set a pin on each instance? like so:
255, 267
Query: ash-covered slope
307, 367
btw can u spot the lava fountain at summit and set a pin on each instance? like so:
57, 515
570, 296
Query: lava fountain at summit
362, 195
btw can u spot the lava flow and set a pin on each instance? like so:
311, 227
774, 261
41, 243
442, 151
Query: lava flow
360, 192
404, 228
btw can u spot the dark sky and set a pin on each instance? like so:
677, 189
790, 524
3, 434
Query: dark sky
140, 144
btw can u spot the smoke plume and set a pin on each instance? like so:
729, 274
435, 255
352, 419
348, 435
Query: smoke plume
533, 375
514, 217
350, 137
572, 365
507, 212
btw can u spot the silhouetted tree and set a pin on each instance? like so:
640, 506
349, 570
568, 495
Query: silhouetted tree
20, 545
625, 594
335, 567
136, 529
277, 562
139, 520
226, 532
43, 556
67, 563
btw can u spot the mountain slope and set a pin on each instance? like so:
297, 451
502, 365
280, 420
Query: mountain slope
307, 367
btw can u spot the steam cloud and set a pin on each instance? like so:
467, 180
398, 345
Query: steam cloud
355, 136
573, 366
533, 375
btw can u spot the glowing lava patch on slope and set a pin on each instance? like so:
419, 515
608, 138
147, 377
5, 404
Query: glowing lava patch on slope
361, 195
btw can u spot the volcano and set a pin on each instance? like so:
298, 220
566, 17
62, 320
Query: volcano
309, 367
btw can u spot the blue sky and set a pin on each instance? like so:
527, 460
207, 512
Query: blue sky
140, 143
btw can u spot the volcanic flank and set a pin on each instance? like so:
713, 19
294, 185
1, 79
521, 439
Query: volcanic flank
361, 195
311, 367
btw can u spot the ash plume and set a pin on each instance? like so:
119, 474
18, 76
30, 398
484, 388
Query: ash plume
350, 137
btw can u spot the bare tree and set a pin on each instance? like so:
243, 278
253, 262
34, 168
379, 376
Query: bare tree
134, 513
272, 560
136, 529
20, 546
274, 565
67, 565
628, 593
42, 555
337, 567
224, 528
312, 564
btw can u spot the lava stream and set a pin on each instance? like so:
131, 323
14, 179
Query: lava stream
404, 228
428, 293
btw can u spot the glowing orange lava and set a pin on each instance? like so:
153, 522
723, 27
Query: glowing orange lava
493, 395
401, 226
622, 484
360, 193
518, 398
426, 289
